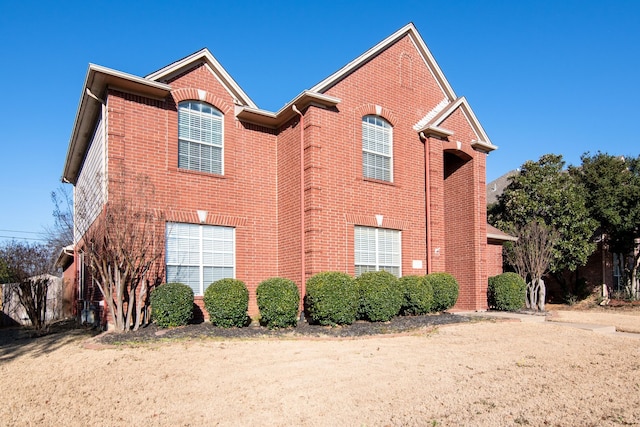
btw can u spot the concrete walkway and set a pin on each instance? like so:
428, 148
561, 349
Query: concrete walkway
541, 318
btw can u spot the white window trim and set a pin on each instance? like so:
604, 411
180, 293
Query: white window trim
390, 155
222, 136
377, 248
201, 265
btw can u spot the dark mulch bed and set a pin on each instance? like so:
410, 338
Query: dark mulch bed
398, 324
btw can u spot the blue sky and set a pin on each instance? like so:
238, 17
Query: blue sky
542, 76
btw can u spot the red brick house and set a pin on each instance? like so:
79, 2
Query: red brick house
379, 166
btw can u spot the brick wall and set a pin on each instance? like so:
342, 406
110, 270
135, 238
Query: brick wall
143, 139
259, 192
494, 259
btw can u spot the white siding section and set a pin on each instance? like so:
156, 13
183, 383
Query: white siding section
89, 192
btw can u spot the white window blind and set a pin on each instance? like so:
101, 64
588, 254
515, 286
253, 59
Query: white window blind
377, 249
376, 148
198, 255
200, 137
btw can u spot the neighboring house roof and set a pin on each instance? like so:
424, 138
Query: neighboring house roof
65, 257
496, 187
154, 86
497, 236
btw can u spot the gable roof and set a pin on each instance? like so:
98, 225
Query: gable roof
203, 56
408, 30
483, 143
154, 86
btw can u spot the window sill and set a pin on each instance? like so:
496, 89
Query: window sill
379, 181
205, 174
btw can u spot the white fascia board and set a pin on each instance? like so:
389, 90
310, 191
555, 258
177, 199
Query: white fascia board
427, 57
483, 143
116, 75
436, 130
502, 237
432, 64
307, 97
268, 118
97, 80
218, 70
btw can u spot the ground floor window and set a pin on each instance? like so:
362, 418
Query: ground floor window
377, 249
198, 255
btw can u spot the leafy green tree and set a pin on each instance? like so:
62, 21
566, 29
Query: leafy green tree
612, 188
544, 192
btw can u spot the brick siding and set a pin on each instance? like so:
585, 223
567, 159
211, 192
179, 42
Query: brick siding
259, 192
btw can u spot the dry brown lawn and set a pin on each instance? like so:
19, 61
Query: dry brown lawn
486, 373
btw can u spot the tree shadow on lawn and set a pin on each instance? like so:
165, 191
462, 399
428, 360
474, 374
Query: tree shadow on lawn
16, 341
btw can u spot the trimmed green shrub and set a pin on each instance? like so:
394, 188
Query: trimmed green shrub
227, 301
171, 305
445, 290
380, 296
332, 298
278, 302
506, 292
418, 295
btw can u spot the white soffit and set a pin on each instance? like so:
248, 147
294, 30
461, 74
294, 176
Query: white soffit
273, 120
97, 80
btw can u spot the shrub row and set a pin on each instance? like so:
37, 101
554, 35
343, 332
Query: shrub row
332, 298
227, 301
337, 299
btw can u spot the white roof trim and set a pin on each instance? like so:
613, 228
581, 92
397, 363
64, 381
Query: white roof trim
268, 118
483, 143
431, 114
126, 76
435, 130
502, 237
205, 56
96, 82
408, 29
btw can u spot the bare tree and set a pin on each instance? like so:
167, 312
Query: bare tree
531, 256
26, 269
61, 233
123, 248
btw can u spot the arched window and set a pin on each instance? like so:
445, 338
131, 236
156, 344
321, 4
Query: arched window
200, 137
377, 148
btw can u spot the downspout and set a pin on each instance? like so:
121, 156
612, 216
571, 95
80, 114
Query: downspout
303, 285
427, 190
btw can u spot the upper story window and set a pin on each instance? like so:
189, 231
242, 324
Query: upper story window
377, 148
200, 137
